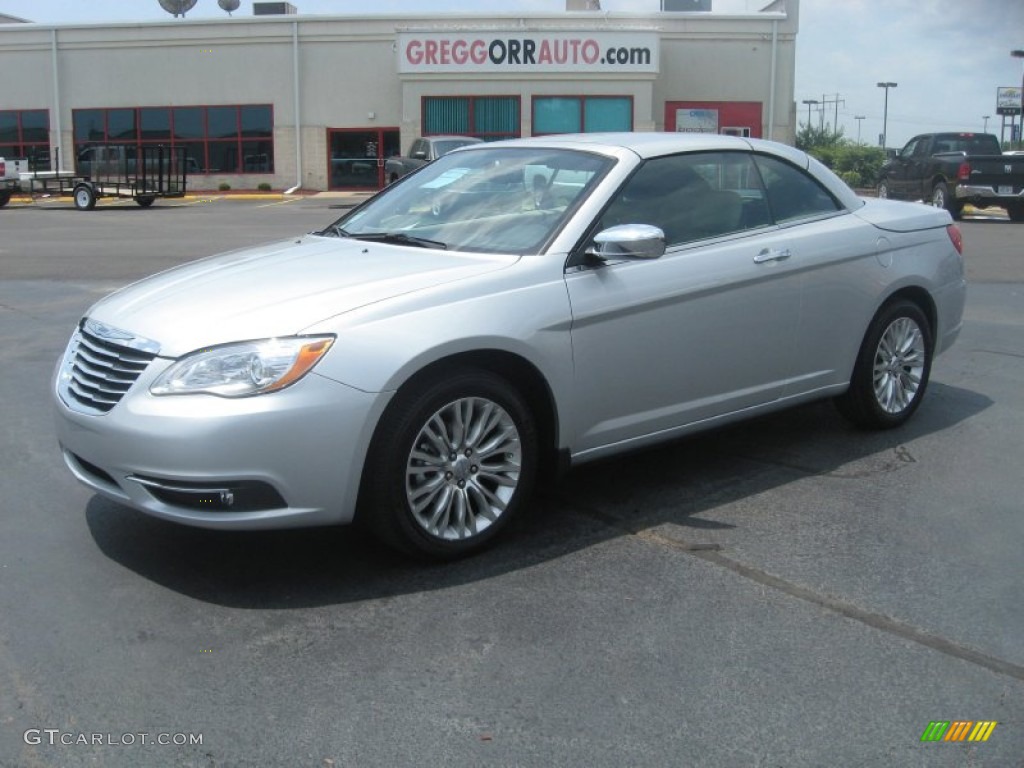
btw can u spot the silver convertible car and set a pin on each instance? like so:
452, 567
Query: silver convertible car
508, 309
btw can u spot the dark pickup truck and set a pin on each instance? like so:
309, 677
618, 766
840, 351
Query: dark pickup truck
424, 150
950, 170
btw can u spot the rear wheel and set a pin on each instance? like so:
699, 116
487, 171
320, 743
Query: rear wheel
5, 198
85, 197
1015, 212
452, 461
892, 369
145, 200
942, 199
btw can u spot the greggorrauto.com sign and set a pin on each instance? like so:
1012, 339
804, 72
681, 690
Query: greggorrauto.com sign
455, 52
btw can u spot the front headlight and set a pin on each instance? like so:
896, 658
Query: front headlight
246, 368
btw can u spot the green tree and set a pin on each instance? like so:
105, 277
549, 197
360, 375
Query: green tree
856, 164
809, 137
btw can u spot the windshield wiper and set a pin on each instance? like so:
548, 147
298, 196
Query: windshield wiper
333, 231
397, 238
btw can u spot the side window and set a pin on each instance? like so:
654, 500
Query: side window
921, 150
692, 197
792, 194
909, 148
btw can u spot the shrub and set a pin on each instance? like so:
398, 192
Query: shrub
224, 186
856, 164
264, 187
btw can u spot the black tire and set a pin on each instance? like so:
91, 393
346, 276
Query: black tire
1015, 212
85, 197
889, 381
145, 200
441, 506
5, 198
941, 198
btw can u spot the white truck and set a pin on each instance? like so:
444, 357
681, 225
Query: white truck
10, 177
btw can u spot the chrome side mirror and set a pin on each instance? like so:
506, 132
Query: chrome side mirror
628, 241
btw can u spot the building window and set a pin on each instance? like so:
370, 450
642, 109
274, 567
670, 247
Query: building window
581, 114
222, 139
486, 117
26, 133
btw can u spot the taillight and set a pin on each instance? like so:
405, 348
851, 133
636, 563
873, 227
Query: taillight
3, 169
956, 237
964, 171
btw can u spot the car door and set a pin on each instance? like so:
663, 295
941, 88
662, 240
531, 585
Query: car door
705, 330
918, 176
899, 168
837, 256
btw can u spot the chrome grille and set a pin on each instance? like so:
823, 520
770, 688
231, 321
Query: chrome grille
100, 365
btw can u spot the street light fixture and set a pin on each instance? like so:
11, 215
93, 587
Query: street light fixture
858, 118
885, 113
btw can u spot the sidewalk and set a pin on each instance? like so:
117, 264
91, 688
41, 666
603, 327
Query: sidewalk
353, 197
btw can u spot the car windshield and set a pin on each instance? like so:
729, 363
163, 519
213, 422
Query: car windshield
492, 200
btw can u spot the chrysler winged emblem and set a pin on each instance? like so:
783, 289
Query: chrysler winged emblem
108, 332
120, 336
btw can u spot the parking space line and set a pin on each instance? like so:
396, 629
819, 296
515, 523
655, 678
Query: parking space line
280, 202
712, 553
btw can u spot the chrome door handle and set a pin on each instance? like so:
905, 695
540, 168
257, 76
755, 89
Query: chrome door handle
770, 254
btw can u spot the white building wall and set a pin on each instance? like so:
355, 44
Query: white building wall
347, 71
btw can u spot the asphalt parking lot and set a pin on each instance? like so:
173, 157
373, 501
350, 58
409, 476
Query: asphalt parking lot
788, 592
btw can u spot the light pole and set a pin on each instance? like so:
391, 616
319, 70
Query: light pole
1019, 54
885, 112
808, 102
985, 118
858, 118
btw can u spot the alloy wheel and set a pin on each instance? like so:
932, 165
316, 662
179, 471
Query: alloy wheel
463, 469
899, 365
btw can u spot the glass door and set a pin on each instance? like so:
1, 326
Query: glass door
357, 156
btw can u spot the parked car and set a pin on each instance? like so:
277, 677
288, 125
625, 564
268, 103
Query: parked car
418, 362
953, 169
423, 150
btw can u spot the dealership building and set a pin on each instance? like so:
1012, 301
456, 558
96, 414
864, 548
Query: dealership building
318, 102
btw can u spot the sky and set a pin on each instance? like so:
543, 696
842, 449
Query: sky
946, 56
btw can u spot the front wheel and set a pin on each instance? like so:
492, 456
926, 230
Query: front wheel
883, 189
452, 461
892, 368
145, 200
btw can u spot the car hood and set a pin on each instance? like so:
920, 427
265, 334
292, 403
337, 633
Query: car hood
278, 289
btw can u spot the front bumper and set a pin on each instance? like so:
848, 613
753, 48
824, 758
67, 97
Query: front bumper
291, 458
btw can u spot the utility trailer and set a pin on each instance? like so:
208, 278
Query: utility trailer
140, 172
